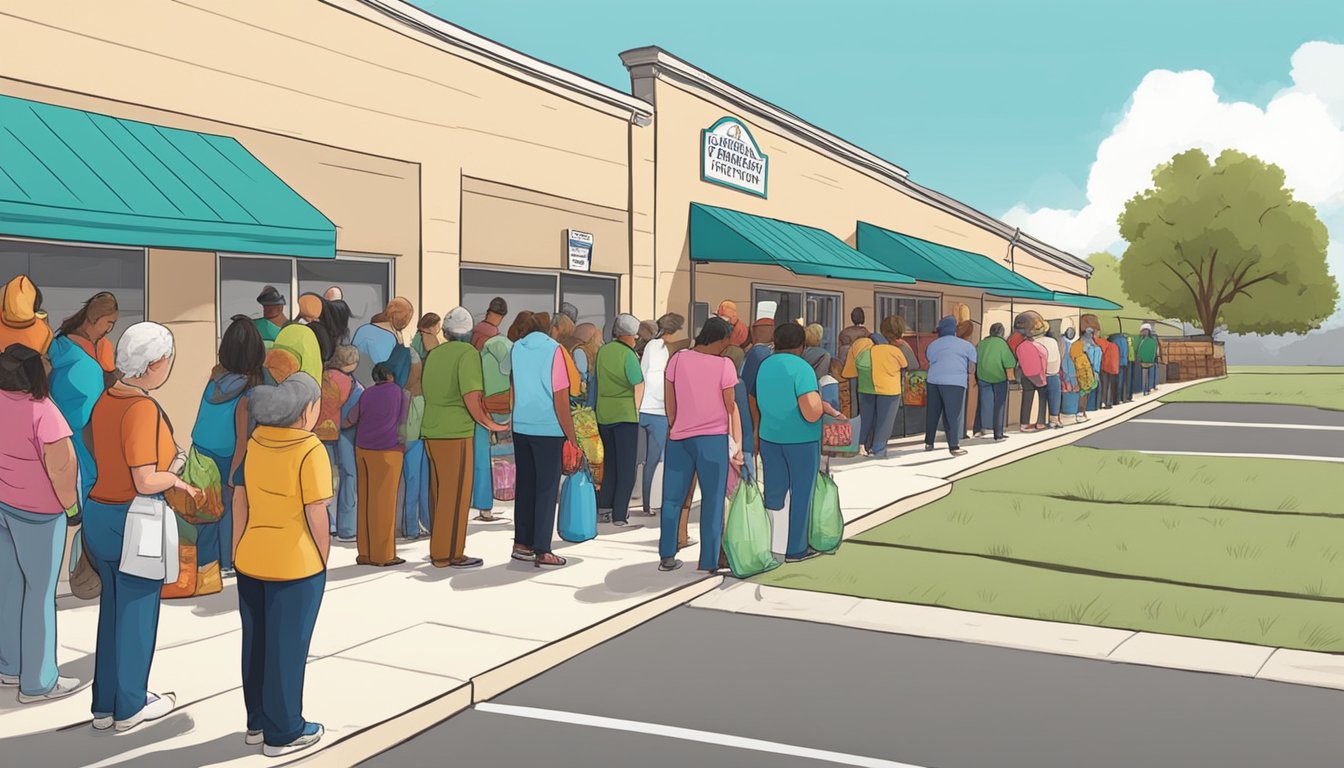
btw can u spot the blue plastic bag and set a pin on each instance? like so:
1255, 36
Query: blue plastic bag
578, 507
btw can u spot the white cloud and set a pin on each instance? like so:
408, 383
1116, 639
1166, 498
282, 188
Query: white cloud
1301, 130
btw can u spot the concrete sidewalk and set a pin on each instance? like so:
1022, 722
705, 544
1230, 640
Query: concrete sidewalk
398, 649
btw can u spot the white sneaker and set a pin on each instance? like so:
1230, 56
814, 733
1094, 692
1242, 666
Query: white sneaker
312, 733
103, 723
64, 687
253, 738
9, 681
159, 707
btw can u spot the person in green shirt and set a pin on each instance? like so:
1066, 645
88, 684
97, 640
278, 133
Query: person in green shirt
272, 314
620, 388
995, 367
1148, 355
453, 384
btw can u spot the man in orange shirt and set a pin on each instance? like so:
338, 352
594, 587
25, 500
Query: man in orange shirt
1110, 371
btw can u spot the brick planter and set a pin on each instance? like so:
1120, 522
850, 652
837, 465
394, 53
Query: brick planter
1193, 358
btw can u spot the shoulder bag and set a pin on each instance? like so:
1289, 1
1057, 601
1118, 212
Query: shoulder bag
149, 541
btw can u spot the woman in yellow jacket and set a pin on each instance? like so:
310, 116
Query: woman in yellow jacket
879, 370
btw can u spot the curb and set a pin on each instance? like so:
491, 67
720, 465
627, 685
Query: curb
373, 740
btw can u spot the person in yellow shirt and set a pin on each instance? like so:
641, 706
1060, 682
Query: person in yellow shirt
879, 369
281, 540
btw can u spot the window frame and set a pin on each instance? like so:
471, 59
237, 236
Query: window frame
555, 274
144, 263
220, 256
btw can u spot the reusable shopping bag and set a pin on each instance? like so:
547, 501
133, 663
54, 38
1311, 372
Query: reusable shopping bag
200, 472
185, 585
746, 536
585, 430
578, 508
505, 475
916, 389
826, 522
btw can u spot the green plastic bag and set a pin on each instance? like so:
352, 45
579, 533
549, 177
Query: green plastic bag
746, 536
201, 472
827, 525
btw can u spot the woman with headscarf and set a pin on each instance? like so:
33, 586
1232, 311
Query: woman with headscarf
83, 366
22, 320
653, 424
383, 333
1031, 360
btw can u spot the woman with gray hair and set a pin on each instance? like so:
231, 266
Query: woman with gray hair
281, 540
620, 388
135, 455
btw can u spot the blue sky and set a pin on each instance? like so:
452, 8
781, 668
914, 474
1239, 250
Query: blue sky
996, 103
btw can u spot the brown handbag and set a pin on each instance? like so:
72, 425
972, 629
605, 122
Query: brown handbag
84, 580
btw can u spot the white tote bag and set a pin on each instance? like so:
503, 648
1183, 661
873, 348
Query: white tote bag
149, 542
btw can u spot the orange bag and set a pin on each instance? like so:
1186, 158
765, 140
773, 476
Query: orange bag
185, 586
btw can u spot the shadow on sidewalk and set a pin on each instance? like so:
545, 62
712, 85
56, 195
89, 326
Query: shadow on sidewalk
639, 579
79, 745
80, 668
511, 572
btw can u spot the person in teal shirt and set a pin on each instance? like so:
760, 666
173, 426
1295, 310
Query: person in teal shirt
83, 365
791, 408
620, 388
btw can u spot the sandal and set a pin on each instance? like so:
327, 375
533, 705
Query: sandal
549, 560
524, 555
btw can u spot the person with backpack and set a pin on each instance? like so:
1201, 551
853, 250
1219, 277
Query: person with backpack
39, 498
220, 432
701, 406
83, 366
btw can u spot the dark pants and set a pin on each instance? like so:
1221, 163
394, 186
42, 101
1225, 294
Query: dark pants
128, 617
1126, 388
538, 462
791, 470
278, 619
1029, 392
1108, 382
992, 410
945, 403
705, 457
620, 442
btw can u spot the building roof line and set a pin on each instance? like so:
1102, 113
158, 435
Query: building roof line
662, 62
640, 111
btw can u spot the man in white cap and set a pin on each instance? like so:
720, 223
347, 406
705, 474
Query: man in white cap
454, 386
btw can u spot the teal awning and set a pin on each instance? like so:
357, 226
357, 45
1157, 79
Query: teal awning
66, 174
726, 236
936, 263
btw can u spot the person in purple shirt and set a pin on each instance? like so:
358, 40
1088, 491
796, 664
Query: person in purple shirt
951, 362
379, 453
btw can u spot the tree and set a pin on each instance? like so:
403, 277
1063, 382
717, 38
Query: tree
1225, 244
1105, 282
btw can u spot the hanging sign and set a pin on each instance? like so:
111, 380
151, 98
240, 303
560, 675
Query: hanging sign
579, 251
729, 156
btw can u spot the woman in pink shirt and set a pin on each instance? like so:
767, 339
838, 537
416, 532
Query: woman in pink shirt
1032, 362
39, 489
701, 414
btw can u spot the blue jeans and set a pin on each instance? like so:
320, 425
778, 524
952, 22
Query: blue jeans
653, 430
214, 541
1054, 393
482, 476
413, 501
278, 619
619, 443
88, 468
705, 457
992, 410
945, 403
1094, 395
792, 470
882, 415
128, 617
347, 491
31, 546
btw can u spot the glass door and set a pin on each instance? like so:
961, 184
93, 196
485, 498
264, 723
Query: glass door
920, 314
824, 308
786, 306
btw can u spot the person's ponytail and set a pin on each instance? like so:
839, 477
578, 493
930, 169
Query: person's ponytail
22, 369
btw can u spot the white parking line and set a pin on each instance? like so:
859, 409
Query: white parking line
1250, 425
687, 734
1290, 457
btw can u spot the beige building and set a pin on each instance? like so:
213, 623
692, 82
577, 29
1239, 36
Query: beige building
448, 168
367, 144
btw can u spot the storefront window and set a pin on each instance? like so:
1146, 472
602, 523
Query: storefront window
595, 297
920, 314
790, 306
68, 275
365, 284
